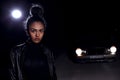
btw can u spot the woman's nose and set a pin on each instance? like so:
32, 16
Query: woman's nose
37, 34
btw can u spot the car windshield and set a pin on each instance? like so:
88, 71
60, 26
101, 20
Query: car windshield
98, 36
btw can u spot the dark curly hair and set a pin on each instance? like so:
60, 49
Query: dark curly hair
36, 14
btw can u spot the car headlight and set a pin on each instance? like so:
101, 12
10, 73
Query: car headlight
113, 50
79, 51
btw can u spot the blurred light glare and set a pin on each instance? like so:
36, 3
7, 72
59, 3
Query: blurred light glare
16, 14
113, 49
78, 52
113, 53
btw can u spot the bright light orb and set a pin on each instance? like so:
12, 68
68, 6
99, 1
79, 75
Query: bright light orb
113, 49
78, 52
16, 14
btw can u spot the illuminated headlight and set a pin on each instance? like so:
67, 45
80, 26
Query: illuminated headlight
79, 52
113, 50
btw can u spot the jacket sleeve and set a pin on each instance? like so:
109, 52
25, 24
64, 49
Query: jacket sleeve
53, 66
13, 65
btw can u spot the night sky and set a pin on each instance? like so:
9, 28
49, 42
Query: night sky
81, 17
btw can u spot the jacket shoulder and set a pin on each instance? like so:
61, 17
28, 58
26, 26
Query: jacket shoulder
18, 47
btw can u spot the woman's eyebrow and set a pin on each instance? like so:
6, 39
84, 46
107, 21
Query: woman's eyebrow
37, 29
33, 28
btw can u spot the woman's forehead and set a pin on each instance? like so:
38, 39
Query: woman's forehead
37, 25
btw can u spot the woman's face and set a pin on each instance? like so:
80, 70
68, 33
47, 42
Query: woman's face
36, 31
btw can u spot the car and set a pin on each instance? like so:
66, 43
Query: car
95, 54
98, 45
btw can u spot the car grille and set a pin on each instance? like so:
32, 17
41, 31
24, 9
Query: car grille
96, 51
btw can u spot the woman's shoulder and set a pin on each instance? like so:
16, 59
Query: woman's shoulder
19, 46
16, 50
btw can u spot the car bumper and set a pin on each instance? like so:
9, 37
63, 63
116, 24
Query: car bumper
96, 58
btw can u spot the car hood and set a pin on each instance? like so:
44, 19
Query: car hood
95, 39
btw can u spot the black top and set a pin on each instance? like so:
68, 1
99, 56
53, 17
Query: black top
35, 66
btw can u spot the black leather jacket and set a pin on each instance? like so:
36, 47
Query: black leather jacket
16, 55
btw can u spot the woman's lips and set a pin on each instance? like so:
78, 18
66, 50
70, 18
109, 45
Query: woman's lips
37, 39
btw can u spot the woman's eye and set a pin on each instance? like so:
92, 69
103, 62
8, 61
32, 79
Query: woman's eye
41, 30
32, 30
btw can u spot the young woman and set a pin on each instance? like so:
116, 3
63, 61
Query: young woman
32, 60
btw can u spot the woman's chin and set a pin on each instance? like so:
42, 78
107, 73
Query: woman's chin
36, 41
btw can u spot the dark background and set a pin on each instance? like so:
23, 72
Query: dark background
65, 21
96, 18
